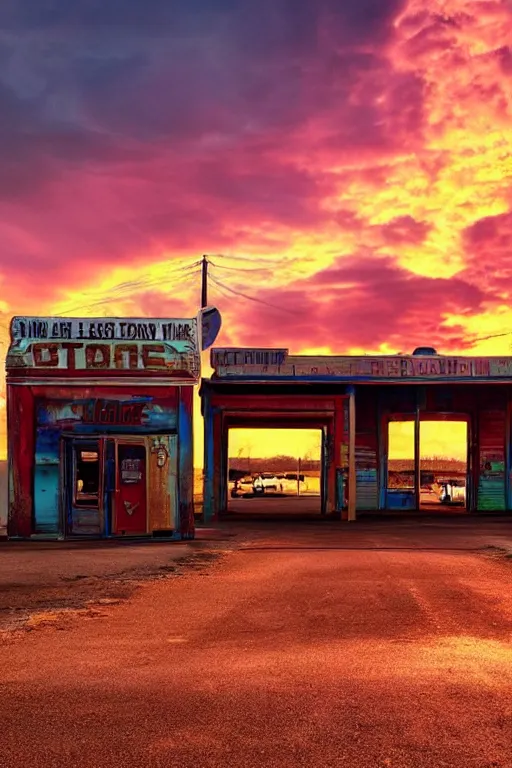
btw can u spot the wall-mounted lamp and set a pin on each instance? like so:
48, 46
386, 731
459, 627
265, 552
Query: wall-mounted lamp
158, 446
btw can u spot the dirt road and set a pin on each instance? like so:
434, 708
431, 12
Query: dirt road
308, 646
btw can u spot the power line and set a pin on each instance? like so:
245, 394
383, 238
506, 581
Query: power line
123, 290
187, 267
247, 259
236, 269
250, 298
221, 291
491, 336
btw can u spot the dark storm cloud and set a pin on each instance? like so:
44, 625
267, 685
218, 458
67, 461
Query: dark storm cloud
36, 147
160, 70
359, 20
212, 65
83, 15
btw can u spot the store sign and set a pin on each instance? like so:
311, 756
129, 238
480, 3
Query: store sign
76, 356
112, 329
169, 347
261, 363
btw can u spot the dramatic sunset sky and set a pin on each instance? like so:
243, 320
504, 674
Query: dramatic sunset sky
348, 160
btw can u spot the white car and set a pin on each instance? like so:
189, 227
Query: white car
267, 481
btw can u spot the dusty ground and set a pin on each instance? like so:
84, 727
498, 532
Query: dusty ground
42, 582
303, 645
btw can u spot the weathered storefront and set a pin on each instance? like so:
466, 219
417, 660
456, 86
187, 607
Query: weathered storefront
354, 400
100, 426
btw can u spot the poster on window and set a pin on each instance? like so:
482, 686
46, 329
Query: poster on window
131, 471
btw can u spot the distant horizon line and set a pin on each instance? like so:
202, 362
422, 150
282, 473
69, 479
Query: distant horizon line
246, 459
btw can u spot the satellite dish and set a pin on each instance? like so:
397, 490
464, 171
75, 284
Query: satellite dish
211, 322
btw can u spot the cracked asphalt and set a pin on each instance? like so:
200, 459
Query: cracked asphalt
378, 644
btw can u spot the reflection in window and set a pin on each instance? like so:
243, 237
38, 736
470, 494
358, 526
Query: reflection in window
87, 477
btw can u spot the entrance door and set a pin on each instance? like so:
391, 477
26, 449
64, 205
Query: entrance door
130, 503
84, 486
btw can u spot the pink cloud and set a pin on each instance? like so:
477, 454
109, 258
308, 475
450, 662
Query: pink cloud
488, 245
361, 302
404, 229
116, 148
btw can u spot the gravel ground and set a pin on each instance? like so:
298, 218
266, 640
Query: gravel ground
364, 646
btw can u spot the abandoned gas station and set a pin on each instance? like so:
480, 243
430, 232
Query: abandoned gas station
353, 401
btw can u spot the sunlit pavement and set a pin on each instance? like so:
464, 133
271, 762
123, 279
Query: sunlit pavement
308, 645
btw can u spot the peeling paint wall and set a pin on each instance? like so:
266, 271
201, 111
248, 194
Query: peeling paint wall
367, 469
491, 485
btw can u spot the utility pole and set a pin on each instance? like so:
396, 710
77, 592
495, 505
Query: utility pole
204, 282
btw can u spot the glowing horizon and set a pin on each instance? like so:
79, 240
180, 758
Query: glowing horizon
347, 166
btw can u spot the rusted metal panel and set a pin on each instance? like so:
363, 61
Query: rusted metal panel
285, 402
162, 469
491, 485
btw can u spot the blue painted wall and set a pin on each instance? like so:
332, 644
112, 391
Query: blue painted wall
46, 481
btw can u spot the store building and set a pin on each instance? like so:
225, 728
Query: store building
100, 438
353, 401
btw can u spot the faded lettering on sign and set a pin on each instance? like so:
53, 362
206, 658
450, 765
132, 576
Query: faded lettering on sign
113, 412
109, 329
76, 356
239, 363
